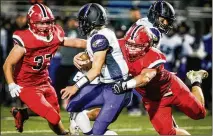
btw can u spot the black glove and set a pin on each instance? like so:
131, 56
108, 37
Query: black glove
119, 87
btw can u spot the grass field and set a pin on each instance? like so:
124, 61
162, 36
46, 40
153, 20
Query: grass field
125, 125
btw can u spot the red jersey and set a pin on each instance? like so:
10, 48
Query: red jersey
160, 84
32, 69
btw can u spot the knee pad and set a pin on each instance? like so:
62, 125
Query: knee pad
52, 116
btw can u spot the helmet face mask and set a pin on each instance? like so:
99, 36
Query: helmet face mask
162, 26
159, 10
138, 42
135, 51
90, 16
43, 28
40, 20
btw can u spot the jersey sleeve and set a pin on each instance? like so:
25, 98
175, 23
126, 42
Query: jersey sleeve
99, 42
17, 39
60, 33
156, 59
156, 36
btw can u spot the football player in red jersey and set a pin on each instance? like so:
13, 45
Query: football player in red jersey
159, 88
30, 58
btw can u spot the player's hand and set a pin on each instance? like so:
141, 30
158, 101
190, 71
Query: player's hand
78, 62
68, 92
14, 89
119, 87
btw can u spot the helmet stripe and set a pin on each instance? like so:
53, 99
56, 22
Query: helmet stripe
44, 12
134, 31
87, 9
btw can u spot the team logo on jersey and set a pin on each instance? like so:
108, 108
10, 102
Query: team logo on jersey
155, 38
97, 43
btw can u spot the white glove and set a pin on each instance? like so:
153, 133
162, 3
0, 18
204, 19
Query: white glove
14, 89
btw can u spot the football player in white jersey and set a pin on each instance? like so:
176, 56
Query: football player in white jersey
162, 10
161, 15
107, 63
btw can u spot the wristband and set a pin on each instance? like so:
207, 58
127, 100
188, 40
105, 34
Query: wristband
82, 82
131, 84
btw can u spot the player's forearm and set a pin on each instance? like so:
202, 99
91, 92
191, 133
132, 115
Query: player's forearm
85, 80
93, 73
8, 72
140, 80
75, 42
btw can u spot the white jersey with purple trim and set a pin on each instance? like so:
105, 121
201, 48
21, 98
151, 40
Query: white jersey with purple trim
145, 22
115, 67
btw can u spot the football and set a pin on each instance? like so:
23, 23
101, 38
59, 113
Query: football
85, 57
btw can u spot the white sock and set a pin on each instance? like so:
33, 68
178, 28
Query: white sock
83, 122
110, 132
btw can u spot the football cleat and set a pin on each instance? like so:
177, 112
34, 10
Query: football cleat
74, 129
196, 76
19, 119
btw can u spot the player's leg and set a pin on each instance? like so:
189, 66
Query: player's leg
51, 98
93, 113
89, 115
113, 105
33, 97
186, 101
79, 120
160, 114
21, 114
89, 96
196, 79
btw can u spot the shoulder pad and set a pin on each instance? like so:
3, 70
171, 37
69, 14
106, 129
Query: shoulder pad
155, 57
99, 42
60, 32
18, 39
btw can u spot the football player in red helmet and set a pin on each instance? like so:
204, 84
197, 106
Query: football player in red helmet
41, 20
134, 50
159, 88
30, 56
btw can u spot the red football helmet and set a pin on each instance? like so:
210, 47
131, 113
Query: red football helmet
139, 39
40, 19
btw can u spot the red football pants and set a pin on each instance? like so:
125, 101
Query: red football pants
160, 112
43, 101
